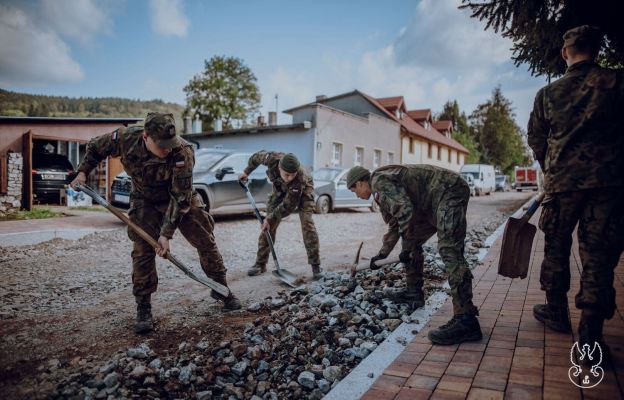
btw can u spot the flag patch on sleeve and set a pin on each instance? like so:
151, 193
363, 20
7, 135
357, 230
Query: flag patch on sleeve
115, 135
180, 164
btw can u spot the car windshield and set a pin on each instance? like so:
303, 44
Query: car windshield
326, 174
473, 174
53, 161
205, 161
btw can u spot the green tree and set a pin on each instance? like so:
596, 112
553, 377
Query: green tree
225, 90
461, 129
498, 136
536, 27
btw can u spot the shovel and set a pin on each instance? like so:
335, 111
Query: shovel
517, 243
283, 275
217, 287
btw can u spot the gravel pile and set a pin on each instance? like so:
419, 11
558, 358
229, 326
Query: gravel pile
301, 345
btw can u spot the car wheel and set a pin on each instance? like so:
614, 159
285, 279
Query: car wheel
322, 205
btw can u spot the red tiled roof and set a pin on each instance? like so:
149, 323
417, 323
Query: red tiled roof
419, 115
443, 125
415, 128
391, 103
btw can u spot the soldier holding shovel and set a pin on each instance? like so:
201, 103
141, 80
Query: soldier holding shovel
162, 200
417, 201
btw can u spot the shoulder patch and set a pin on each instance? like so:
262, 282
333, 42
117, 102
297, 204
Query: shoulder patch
180, 164
116, 135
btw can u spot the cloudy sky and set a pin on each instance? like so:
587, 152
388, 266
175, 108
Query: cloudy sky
428, 50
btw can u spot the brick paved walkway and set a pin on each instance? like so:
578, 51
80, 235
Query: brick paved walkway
517, 359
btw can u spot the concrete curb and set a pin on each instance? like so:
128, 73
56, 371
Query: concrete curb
36, 237
360, 379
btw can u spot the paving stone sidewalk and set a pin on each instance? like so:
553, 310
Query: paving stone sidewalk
518, 358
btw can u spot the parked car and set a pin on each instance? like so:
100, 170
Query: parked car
50, 173
121, 188
331, 192
502, 183
470, 181
215, 178
483, 175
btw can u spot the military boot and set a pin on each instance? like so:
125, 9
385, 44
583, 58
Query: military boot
256, 270
413, 296
231, 302
590, 333
554, 314
317, 272
461, 328
143, 323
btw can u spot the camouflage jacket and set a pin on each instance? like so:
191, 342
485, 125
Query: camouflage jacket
575, 129
293, 194
155, 180
405, 191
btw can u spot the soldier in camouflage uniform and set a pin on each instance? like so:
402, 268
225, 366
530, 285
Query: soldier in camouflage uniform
575, 131
293, 190
417, 201
162, 200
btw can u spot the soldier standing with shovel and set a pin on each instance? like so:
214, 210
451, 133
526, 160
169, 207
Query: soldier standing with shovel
162, 200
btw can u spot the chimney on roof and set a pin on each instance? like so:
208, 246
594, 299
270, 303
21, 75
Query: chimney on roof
261, 120
272, 118
218, 125
188, 124
321, 97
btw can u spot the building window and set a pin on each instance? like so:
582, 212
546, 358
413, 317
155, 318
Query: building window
377, 159
411, 145
439, 152
318, 145
429, 150
390, 158
426, 125
336, 154
450, 156
358, 158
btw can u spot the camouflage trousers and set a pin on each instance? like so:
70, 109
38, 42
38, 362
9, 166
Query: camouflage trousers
196, 226
310, 237
451, 229
600, 217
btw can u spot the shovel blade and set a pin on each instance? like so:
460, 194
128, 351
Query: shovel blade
516, 248
286, 277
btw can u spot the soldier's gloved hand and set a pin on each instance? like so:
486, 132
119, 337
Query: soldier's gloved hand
243, 177
379, 256
81, 178
405, 257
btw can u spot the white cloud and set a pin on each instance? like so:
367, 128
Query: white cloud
168, 19
80, 20
32, 55
442, 36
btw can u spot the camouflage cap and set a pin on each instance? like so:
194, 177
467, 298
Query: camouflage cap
584, 35
289, 163
161, 128
356, 174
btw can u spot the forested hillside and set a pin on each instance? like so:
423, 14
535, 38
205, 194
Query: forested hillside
28, 105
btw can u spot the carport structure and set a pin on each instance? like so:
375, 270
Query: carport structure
67, 136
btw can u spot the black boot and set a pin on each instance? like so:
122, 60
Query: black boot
231, 302
143, 323
413, 296
554, 314
461, 328
590, 333
256, 270
317, 272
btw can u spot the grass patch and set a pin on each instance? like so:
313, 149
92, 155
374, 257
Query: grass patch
36, 213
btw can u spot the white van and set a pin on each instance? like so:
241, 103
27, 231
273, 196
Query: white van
483, 175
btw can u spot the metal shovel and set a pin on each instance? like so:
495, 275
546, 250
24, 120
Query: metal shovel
217, 287
283, 275
517, 243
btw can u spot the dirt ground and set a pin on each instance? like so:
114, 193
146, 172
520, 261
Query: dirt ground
72, 300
